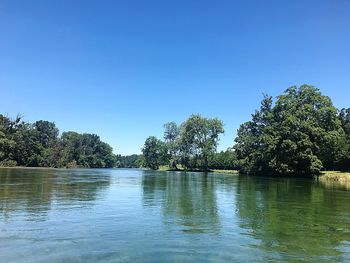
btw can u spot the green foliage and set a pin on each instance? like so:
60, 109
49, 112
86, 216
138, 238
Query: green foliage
129, 161
171, 137
87, 150
28, 149
8, 128
300, 135
224, 160
343, 156
200, 136
154, 153
192, 144
38, 144
47, 133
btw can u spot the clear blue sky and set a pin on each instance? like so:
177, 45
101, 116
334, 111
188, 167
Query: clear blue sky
122, 69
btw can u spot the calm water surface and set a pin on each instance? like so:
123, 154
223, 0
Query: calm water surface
115, 215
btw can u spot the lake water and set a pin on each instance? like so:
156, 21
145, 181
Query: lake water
116, 215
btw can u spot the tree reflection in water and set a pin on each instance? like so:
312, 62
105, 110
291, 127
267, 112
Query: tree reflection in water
35, 190
188, 199
300, 218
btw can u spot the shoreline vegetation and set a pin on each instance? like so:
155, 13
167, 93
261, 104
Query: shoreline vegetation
224, 171
299, 134
38, 144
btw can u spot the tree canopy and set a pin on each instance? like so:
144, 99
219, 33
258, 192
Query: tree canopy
299, 135
129, 161
154, 152
191, 144
39, 144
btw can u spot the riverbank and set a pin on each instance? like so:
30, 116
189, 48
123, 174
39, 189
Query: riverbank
166, 168
225, 171
336, 178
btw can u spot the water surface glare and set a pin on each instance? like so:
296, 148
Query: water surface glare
126, 215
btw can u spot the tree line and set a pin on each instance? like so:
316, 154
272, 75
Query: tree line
301, 133
129, 161
38, 144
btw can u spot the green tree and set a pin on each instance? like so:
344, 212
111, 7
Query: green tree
129, 161
86, 150
6, 144
254, 140
299, 135
343, 157
28, 151
38, 144
48, 138
8, 128
200, 136
226, 160
309, 131
154, 152
48, 133
171, 137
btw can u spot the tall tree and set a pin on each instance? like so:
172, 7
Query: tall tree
48, 138
48, 133
254, 140
343, 157
202, 135
171, 137
154, 152
300, 135
7, 143
28, 150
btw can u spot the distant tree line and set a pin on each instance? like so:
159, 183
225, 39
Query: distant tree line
39, 145
300, 134
129, 161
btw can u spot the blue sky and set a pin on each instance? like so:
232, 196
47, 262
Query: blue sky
122, 69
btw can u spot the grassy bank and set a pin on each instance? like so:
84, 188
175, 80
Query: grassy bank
166, 168
336, 178
226, 171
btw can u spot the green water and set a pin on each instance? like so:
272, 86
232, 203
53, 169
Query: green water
120, 215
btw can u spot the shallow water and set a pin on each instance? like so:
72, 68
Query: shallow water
117, 215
